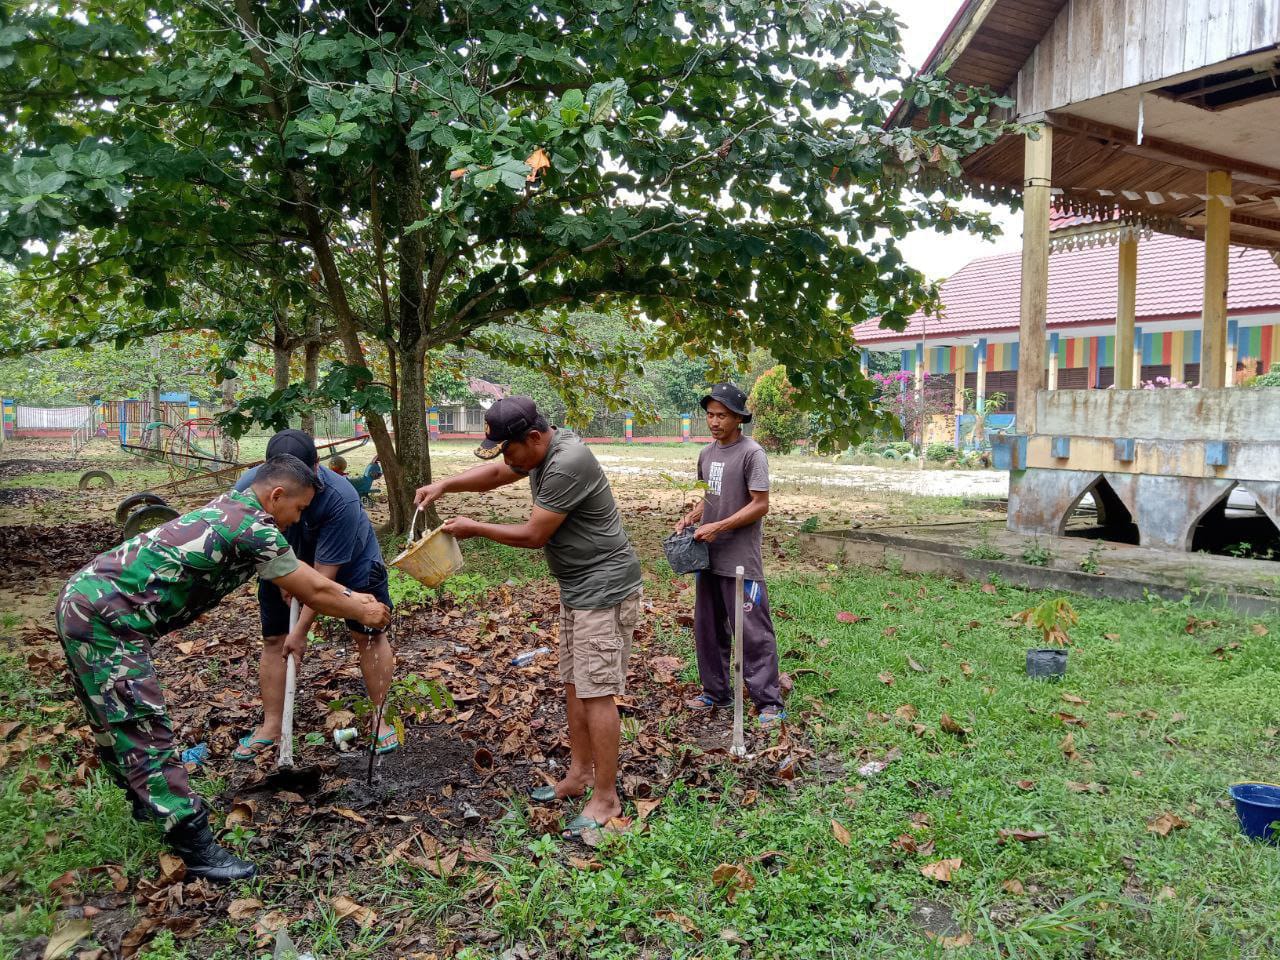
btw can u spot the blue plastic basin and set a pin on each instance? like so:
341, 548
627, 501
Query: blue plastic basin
1258, 807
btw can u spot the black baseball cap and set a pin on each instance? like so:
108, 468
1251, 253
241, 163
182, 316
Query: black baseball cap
299, 444
729, 395
508, 419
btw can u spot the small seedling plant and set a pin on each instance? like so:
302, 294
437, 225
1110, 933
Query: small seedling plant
408, 696
686, 489
1053, 619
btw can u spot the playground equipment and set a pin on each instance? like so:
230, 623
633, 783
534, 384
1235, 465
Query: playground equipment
203, 461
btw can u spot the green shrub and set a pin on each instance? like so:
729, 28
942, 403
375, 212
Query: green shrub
902, 446
940, 452
778, 424
1269, 379
890, 454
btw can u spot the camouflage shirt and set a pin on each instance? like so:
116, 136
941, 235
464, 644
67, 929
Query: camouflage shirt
163, 579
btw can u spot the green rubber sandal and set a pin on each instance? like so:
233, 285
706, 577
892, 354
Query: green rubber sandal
249, 749
384, 746
574, 828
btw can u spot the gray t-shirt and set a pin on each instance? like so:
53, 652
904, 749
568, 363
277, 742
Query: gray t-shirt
731, 473
589, 554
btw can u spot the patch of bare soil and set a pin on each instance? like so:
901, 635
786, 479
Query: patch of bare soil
21, 466
30, 496
37, 551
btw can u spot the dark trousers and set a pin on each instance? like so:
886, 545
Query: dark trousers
713, 637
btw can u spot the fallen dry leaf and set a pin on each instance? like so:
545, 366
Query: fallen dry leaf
1068, 747
906, 712
349, 814
844, 616
645, 807
914, 665
1166, 893
950, 726
841, 833
941, 870
63, 940
244, 909
242, 811
966, 669
988, 588
1022, 836
734, 878
346, 908
1072, 698
685, 924
951, 943
1025, 784
1075, 786
886, 678
172, 869
1013, 886
1258, 631
1166, 823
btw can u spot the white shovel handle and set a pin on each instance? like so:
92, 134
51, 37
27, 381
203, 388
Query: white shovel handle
739, 748
290, 688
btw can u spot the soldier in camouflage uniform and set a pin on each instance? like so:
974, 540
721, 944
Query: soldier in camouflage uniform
112, 610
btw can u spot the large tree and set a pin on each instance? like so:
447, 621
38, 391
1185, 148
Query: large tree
438, 172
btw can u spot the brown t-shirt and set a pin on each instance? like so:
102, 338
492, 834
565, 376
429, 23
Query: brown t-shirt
732, 472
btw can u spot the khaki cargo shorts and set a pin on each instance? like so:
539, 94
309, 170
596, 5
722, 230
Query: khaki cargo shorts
595, 646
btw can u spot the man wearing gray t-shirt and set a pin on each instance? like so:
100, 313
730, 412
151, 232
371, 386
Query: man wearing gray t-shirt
576, 522
730, 520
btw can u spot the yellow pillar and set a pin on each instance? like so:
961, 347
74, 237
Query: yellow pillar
1053, 361
1217, 238
1037, 169
1126, 312
958, 395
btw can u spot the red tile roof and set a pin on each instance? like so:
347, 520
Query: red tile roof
983, 296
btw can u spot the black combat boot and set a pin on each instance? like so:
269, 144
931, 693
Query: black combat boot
193, 841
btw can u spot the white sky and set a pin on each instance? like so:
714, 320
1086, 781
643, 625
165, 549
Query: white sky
934, 254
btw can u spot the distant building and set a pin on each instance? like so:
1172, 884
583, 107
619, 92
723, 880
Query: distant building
980, 316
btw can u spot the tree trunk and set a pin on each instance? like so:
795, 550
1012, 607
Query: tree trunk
412, 440
228, 404
311, 373
393, 475
283, 354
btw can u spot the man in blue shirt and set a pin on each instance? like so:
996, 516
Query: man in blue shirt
335, 536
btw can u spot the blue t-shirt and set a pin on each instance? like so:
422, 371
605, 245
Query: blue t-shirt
333, 529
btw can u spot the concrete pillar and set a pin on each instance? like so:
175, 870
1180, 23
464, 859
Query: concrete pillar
957, 368
864, 361
1217, 238
1053, 362
1135, 368
1037, 170
1126, 311
920, 368
1233, 352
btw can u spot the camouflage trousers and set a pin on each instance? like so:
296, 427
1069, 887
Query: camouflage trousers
114, 678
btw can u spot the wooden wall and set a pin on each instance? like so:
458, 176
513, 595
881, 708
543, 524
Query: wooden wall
1100, 46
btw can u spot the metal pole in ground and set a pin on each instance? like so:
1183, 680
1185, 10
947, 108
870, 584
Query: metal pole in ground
739, 748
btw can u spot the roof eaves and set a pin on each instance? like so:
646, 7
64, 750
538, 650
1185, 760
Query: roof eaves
962, 28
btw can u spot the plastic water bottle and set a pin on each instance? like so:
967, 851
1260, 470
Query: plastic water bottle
526, 658
197, 754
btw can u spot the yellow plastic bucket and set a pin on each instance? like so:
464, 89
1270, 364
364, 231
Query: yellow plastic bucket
433, 559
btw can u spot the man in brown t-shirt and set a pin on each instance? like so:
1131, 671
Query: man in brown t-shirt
730, 520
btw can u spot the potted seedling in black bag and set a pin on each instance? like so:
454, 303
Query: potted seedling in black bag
1052, 618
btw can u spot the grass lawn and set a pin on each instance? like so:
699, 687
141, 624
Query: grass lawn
1164, 705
